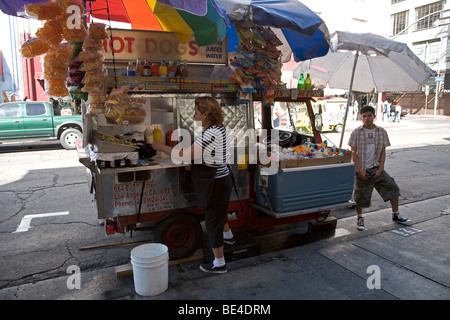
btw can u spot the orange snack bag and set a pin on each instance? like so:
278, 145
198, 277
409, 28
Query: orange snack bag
51, 72
57, 88
44, 10
58, 57
90, 44
75, 34
51, 33
34, 47
97, 31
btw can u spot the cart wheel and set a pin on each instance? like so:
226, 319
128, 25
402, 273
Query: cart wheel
181, 233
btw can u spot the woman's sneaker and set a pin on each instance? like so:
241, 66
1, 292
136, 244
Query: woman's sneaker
360, 224
230, 241
396, 217
210, 268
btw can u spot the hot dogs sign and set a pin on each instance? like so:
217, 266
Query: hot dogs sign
157, 46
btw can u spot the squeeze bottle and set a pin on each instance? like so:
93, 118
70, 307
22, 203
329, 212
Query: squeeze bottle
157, 136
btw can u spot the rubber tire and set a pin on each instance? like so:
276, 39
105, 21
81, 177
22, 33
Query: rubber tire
338, 128
68, 138
181, 233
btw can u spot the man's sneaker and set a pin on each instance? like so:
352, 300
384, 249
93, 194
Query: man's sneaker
210, 268
360, 224
396, 217
229, 241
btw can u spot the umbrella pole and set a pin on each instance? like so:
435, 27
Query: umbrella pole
349, 96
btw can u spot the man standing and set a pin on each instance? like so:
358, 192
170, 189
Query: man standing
368, 143
386, 109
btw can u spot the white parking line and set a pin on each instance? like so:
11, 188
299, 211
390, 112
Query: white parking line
25, 224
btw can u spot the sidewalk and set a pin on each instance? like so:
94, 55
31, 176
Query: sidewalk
404, 262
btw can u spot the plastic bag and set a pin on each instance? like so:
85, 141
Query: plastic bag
34, 47
117, 95
58, 57
97, 31
51, 72
92, 44
45, 10
75, 34
115, 112
57, 88
50, 33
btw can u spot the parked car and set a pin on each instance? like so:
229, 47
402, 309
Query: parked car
36, 119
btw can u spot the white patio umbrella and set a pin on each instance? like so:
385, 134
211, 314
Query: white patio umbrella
367, 62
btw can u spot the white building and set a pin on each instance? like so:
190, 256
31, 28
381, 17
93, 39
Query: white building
422, 25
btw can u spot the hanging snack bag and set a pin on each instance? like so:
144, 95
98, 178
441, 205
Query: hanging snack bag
97, 31
116, 112
50, 33
59, 57
34, 47
44, 10
51, 72
57, 88
77, 34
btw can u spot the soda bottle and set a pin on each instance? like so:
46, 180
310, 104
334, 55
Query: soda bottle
171, 70
146, 69
301, 83
155, 69
163, 69
178, 70
184, 70
131, 70
307, 82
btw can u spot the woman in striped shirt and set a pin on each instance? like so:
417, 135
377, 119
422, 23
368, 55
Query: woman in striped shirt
212, 146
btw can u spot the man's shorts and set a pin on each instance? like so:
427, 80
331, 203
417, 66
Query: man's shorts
385, 186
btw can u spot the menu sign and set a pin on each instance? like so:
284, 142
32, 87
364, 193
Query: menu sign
157, 46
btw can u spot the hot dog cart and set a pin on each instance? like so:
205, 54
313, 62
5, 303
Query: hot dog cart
135, 187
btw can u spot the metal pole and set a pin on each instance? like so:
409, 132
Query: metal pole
349, 95
436, 97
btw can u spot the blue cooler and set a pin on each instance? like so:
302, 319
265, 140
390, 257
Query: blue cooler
304, 187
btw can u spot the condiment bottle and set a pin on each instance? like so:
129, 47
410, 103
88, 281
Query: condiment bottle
163, 69
146, 69
171, 70
184, 70
138, 67
157, 135
155, 69
178, 70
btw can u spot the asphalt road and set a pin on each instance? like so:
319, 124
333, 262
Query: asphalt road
35, 183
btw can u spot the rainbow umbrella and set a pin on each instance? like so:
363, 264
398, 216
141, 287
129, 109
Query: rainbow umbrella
203, 19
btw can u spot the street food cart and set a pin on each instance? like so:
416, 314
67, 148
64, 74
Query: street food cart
135, 188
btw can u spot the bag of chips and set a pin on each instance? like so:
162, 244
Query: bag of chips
34, 47
45, 10
50, 33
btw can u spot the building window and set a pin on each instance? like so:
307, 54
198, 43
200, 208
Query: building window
428, 51
426, 15
399, 22
396, 1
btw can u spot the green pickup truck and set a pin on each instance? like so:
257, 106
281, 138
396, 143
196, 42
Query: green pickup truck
36, 119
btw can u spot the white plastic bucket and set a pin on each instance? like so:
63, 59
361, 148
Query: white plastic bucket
150, 269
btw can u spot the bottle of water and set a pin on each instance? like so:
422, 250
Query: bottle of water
131, 70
